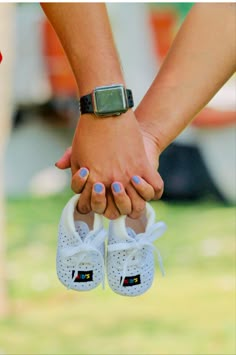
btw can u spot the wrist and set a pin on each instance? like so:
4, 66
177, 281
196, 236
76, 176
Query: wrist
153, 128
163, 112
108, 121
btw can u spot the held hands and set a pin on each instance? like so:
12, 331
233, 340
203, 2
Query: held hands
110, 166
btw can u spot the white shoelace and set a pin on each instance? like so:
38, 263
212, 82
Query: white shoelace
82, 249
143, 240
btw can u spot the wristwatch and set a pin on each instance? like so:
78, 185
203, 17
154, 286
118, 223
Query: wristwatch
104, 101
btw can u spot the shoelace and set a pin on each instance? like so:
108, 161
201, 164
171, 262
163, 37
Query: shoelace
143, 240
79, 252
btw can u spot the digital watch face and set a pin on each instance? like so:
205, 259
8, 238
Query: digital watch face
109, 101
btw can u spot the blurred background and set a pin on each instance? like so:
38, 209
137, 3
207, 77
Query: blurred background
192, 310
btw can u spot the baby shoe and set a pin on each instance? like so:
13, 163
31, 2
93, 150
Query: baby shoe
80, 252
130, 253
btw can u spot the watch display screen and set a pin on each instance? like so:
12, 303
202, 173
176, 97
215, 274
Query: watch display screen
110, 100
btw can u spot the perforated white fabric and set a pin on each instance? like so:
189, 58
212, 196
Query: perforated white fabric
80, 252
130, 257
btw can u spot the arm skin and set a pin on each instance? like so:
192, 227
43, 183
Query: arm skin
110, 148
201, 59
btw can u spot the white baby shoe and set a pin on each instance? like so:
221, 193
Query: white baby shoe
130, 259
80, 252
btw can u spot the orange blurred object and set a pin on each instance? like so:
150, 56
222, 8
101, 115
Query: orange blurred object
59, 71
163, 24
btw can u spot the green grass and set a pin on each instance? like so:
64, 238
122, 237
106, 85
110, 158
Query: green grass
190, 311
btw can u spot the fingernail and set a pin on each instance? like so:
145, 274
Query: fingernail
136, 179
83, 172
98, 188
116, 187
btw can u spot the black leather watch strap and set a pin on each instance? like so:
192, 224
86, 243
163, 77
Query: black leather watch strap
86, 105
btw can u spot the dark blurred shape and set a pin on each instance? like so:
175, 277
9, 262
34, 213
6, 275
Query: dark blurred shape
59, 111
185, 174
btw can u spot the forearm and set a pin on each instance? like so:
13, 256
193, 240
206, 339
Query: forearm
106, 147
201, 60
85, 34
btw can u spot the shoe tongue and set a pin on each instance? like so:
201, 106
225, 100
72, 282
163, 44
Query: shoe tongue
131, 232
82, 229
98, 223
150, 214
119, 229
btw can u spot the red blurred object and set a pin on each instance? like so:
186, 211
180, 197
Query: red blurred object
209, 117
59, 71
163, 25
0, 57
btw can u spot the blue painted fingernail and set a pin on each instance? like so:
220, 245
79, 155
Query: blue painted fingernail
116, 187
136, 179
83, 172
98, 188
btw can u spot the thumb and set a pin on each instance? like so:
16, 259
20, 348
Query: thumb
64, 162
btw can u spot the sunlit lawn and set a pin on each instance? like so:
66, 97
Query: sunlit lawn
190, 311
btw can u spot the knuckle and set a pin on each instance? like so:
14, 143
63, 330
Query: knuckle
150, 195
159, 186
98, 210
147, 194
84, 209
134, 215
92, 180
126, 211
159, 192
96, 202
142, 189
139, 208
158, 195
112, 215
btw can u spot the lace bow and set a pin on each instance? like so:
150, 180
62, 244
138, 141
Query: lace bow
142, 240
82, 250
